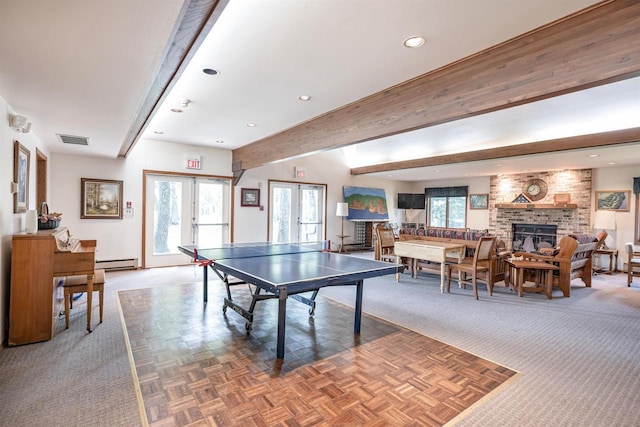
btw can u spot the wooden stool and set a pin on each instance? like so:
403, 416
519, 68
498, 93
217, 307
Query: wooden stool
77, 284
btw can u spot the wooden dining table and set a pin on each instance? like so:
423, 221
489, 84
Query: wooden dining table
429, 251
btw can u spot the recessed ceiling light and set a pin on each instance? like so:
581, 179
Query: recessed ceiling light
593, 155
158, 132
611, 163
304, 97
211, 71
219, 141
251, 125
414, 41
176, 110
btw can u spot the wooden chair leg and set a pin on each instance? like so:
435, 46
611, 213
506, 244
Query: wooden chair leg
67, 297
449, 279
101, 303
474, 281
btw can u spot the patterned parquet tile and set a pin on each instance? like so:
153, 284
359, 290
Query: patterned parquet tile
197, 366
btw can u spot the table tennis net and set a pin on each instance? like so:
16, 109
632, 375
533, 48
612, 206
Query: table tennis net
259, 249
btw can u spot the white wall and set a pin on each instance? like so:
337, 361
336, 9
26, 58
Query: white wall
122, 238
618, 178
324, 168
11, 223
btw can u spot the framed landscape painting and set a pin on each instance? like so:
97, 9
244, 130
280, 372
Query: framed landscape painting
613, 200
478, 201
101, 199
21, 177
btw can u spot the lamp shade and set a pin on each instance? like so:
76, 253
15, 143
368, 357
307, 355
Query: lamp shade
604, 220
342, 209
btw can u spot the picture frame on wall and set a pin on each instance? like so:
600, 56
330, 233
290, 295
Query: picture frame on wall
478, 201
101, 199
21, 161
613, 200
250, 197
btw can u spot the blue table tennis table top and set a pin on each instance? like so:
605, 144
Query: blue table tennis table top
296, 266
286, 270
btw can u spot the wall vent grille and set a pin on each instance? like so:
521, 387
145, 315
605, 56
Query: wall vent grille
73, 139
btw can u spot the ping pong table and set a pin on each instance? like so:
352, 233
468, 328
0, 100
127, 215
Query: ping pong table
283, 271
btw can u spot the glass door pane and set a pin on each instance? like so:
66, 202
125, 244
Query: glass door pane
311, 214
281, 213
184, 210
211, 224
297, 212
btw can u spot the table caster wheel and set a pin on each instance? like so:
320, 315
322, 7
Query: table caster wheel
248, 326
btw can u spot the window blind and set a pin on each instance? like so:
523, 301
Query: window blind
446, 192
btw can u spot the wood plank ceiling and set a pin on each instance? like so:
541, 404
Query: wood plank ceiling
595, 47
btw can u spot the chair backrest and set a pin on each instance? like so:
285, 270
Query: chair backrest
387, 238
485, 249
628, 247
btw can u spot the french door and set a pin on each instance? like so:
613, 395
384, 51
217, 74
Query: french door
182, 210
297, 212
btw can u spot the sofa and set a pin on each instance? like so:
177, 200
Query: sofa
467, 237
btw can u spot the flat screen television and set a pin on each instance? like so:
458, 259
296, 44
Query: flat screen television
411, 201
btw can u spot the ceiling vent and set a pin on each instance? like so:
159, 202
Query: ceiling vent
73, 139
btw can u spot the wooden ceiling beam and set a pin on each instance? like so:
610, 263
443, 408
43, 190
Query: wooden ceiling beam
194, 23
596, 46
623, 136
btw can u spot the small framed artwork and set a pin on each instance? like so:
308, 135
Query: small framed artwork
101, 199
21, 157
478, 201
250, 197
613, 200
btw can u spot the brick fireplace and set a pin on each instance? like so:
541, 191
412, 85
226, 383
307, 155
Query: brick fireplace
505, 189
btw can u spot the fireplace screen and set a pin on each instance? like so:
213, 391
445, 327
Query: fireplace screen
533, 237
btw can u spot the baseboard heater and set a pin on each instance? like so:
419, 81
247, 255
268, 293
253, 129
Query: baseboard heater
117, 264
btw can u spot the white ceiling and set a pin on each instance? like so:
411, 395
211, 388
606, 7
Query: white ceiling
83, 68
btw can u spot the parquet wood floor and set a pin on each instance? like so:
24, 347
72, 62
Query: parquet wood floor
198, 367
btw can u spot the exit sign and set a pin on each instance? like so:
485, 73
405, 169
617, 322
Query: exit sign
193, 163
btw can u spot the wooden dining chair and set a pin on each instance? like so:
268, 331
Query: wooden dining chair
386, 241
476, 268
633, 261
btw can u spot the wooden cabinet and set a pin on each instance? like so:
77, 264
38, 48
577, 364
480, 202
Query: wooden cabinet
34, 300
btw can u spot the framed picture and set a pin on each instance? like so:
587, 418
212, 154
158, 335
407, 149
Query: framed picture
613, 200
21, 157
101, 199
250, 197
478, 201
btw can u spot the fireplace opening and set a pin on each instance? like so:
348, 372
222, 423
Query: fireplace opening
533, 237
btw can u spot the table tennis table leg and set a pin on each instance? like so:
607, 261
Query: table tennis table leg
282, 317
358, 313
205, 283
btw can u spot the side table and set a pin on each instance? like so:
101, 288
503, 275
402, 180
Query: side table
543, 276
611, 253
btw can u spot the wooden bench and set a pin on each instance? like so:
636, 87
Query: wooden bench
78, 284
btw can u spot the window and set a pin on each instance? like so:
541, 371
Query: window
446, 207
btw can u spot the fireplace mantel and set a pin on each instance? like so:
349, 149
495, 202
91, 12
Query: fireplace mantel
536, 206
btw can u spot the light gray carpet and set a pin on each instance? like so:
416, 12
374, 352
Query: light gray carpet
79, 379
579, 357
